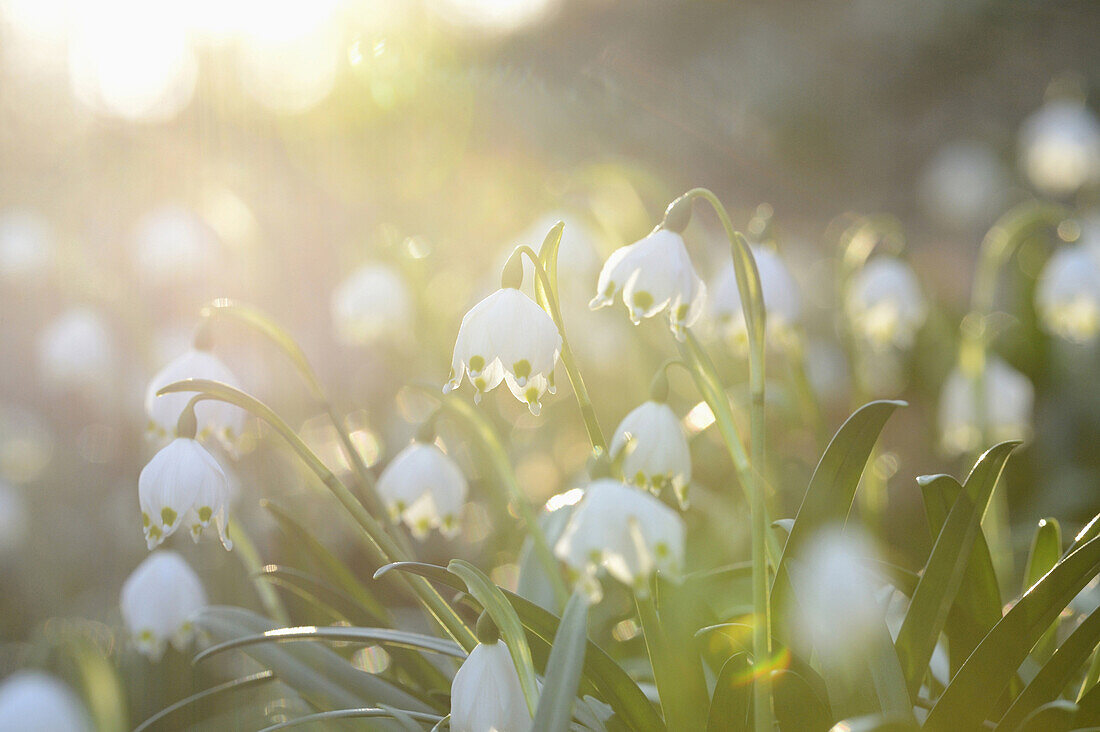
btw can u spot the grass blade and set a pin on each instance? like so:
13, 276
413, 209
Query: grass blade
563, 670
245, 682
384, 636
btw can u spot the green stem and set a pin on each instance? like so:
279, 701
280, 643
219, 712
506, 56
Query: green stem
383, 548
253, 564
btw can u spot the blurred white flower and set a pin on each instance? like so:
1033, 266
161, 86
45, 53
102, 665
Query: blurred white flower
782, 300
424, 488
372, 302
1060, 147
827, 370
624, 530
25, 245
1067, 294
486, 694
159, 600
172, 243
837, 611
76, 349
964, 184
654, 449
507, 337
578, 260
32, 701
653, 274
1009, 397
183, 485
215, 418
885, 304
14, 518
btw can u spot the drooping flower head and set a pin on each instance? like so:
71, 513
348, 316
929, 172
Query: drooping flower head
371, 303
624, 530
507, 337
486, 693
32, 701
183, 485
885, 304
215, 418
653, 449
159, 600
1060, 147
782, 300
1008, 401
424, 488
1067, 294
653, 274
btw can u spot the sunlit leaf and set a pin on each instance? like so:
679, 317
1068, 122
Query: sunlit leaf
563, 670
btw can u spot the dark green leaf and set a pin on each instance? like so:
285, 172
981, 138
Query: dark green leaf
563, 670
1089, 532
384, 636
357, 713
731, 704
1056, 716
1046, 550
876, 723
206, 695
798, 708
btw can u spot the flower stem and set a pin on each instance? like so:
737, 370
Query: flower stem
250, 558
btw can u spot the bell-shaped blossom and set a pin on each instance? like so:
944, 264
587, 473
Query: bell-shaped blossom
77, 350
1067, 294
424, 488
964, 184
159, 600
885, 304
215, 418
653, 448
183, 485
25, 244
32, 701
1009, 397
624, 530
1060, 147
507, 337
782, 300
486, 694
372, 303
653, 274
14, 518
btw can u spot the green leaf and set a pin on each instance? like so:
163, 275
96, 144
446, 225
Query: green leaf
974, 691
357, 713
206, 695
1055, 716
1046, 550
1088, 707
494, 602
563, 670
946, 566
342, 633
548, 257
731, 703
798, 708
1056, 673
1090, 531
832, 488
876, 723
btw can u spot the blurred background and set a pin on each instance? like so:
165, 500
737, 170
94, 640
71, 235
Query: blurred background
360, 170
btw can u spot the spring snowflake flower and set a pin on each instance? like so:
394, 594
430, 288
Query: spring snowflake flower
183, 485
654, 449
424, 488
782, 300
964, 184
885, 303
32, 701
76, 349
1009, 397
624, 530
1067, 295
486, 694
653, 274
215, 418
372, 303
507, 337
1060, 147
159, 600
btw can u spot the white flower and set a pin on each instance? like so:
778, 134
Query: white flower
183, 485
159, 600
964, 184
654, 273
507, 337
782, 301
1060, 147
486, 694
424, 488
14, 518
371, 303
656, 449
1009, 397
76, 349
885, 304
171, 243
215, 418
25, 244
32, 701
624, 530
1067, 294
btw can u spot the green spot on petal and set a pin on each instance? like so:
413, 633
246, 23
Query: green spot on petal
477, 363
168, 516
643, 300
205, 513
521, 369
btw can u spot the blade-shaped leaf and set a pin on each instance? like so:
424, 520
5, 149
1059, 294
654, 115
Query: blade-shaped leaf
974, 690
731, 703
944, 571
1090, 531
798, 708
206, 695
563, 670
1046, 550
356, 713
384, 636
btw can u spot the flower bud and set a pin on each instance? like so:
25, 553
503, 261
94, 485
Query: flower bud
486, 693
